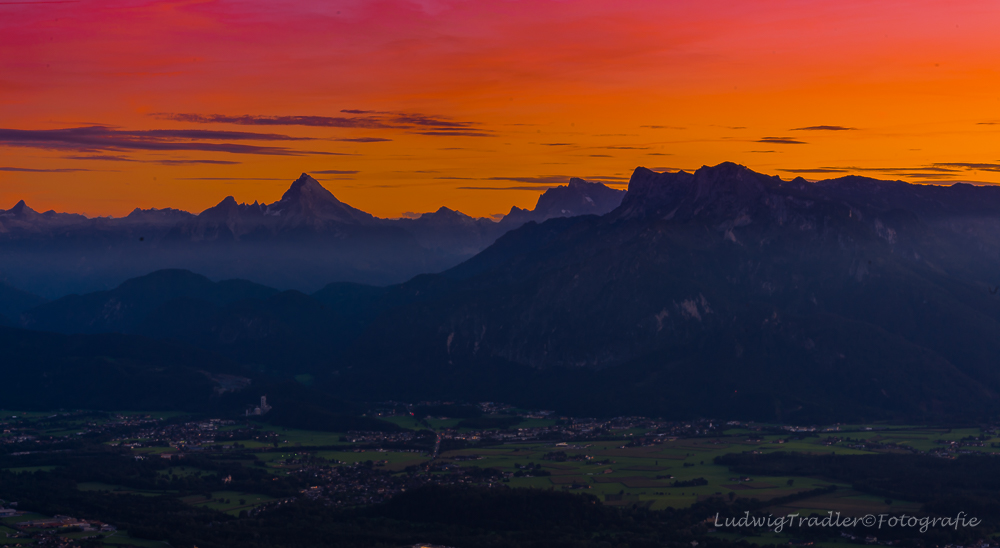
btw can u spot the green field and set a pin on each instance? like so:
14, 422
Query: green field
618, 475
5, 540
23, 469
628, 476
292, 437
117, 489
121, 538
406, 421
228, 501
183, 471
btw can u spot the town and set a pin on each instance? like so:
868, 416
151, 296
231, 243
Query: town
624, 461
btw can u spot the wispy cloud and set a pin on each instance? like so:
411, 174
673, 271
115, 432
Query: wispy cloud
33, 170
824, 128
104, 157
167, 162
938, 170
669, 168
195, 162
540, 180
107, 139
449, 133
359, 119
335, 172
781, 141
364, 139
539, 188
210, 134
230, 179
662, 127
969, 166
366, 122
556, 180
815, 170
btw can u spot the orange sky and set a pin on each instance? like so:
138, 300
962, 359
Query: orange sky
410, 105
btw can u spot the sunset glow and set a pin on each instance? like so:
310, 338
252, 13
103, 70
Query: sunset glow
404, 106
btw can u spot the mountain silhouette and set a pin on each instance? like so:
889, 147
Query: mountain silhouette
303, 241
718, 293
722, 292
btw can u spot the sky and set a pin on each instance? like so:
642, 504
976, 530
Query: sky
403, 106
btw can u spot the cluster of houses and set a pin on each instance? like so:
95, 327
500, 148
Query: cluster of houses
365, 483
48, 532
189, 436
65, 522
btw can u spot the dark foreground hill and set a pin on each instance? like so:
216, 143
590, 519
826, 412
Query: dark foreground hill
266, 330
722, 293
115, 372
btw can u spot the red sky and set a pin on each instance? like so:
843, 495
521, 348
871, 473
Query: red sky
410, 105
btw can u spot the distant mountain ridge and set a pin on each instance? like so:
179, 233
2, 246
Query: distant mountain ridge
718, 293
305, 240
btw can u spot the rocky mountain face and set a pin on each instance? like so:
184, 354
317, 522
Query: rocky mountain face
303, 241
579, 197
723, 292
446, 229
719, 293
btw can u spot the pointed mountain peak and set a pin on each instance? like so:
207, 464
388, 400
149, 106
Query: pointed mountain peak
308, 189
308, 201
21, 209
228, 204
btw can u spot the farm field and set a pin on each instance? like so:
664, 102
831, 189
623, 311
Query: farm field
230, 502
636, 468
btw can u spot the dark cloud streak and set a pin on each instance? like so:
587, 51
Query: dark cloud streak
824, 128
969, 166
815, 170
106, 139
196, 162
444, 133
362, 119
539, 188
32, 170
781, 141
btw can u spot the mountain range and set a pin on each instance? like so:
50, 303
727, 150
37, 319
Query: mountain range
720, 293
303, 241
